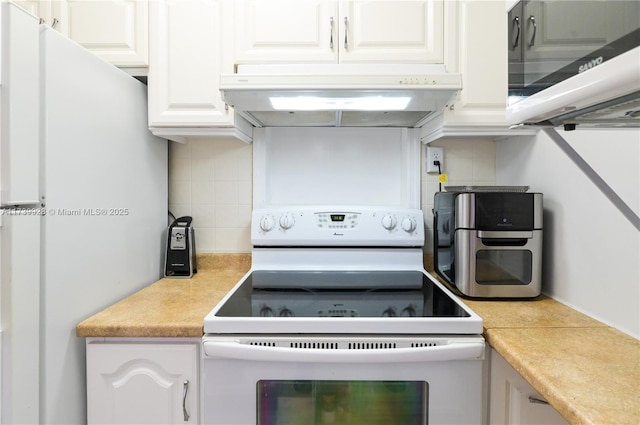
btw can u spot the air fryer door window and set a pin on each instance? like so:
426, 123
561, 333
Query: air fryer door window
504, 267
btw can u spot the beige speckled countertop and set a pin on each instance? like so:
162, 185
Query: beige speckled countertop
170, 307
587, 370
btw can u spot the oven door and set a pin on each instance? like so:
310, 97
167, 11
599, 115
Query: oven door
498, 264
344, 380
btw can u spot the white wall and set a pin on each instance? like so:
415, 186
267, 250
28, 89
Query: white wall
591, 251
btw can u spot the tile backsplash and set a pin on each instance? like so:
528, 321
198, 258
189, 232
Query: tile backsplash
211, 180
466, 162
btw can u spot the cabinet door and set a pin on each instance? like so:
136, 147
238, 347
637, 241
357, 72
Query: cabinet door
344, 31
116, 30
142, 383
551, 41
35, 7
187, 57
482, 53
513, 401
286, 31
391, 31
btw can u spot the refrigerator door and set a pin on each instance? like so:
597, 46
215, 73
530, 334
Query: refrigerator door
105, 183
19, 227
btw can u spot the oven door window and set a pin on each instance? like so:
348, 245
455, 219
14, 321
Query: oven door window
504, 267
294, 402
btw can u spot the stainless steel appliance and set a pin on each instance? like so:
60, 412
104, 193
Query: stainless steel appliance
180, 258
337, 320
574, 63
488, 243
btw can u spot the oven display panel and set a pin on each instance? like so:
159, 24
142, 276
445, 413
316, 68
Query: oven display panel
339, 294
287, 402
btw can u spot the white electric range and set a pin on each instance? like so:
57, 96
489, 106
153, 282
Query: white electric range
337, 321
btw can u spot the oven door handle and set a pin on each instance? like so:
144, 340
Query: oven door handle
468, 350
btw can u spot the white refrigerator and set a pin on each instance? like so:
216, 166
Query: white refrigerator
83, 194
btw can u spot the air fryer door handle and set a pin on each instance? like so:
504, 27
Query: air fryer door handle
485, 234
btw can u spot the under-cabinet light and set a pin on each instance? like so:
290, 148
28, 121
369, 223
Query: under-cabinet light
314, 103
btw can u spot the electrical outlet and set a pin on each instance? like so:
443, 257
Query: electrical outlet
434, 153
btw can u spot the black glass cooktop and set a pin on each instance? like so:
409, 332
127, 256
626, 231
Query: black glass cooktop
339, 294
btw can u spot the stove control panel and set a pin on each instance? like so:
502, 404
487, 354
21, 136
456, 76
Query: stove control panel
337, 226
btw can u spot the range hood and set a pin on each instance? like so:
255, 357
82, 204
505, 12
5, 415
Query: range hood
337, 96
606, 96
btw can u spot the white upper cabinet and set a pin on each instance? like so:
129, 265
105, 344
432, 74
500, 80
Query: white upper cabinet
547, 34
285, 31
188, 54
344, 31
116, 30
393, 31
479, 109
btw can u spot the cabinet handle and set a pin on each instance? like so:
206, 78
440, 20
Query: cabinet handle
535, 29
346, 33
54, 23
185, 390
536, 400
516, 23
331, 33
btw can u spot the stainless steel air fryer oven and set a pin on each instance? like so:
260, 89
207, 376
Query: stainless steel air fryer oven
488, 244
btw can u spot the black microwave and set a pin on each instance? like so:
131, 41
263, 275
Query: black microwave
550, 41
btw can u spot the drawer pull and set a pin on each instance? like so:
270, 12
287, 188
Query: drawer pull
532, 19
331, 34
536, 400
516, 23
185, 390
346, 32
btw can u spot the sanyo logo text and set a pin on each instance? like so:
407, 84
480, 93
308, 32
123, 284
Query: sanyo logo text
593, 62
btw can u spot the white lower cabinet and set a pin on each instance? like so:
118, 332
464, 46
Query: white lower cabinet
513, 401
138, 381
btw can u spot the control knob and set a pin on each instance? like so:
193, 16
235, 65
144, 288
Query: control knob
287, 221
389, 221
389, 312
285, 312
266, 311
409, 311
267, 223
409, 224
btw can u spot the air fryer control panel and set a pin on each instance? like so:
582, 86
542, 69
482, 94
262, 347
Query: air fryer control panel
498, 211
